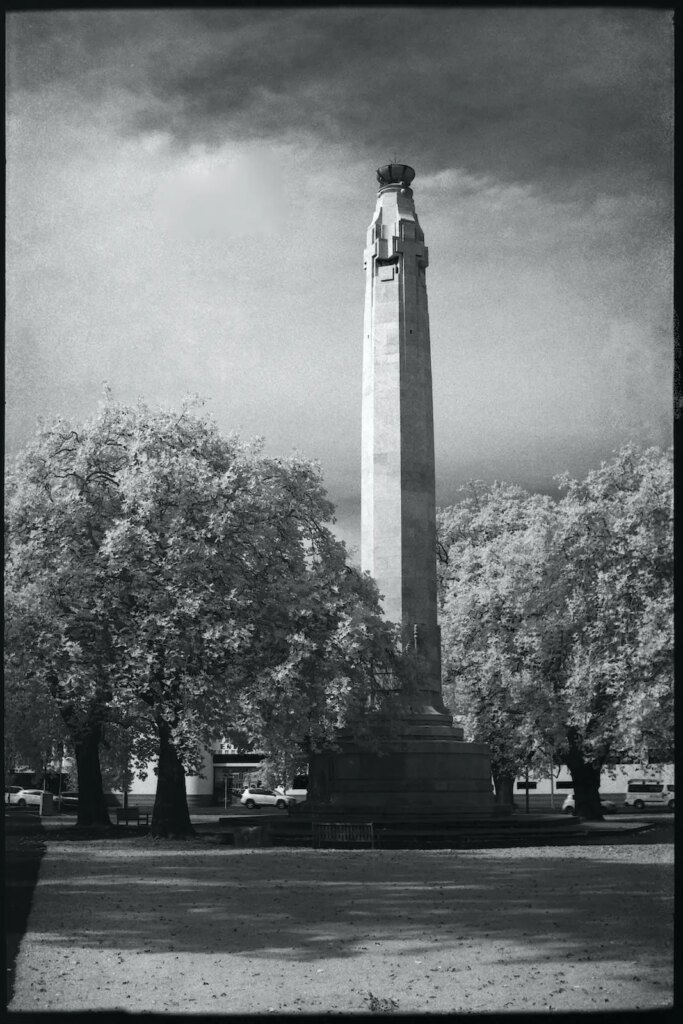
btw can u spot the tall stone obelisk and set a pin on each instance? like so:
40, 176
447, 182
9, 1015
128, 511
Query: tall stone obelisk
398, 511
426, 769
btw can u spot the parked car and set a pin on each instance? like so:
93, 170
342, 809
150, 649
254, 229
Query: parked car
67, 801
11, 793
642, 793
258, 797
298, 791
29, 797
569, 805
296, 796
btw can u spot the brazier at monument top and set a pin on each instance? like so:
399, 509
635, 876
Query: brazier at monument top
426, 768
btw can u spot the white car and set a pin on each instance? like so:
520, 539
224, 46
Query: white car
67, 800
642, 793
294, 795
28, 797
297, 795
252, 798
298, 790
569, 805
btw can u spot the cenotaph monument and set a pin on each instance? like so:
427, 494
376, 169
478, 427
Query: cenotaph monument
427, 769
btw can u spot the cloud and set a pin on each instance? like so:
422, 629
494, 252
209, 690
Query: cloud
221, 195
556, 97
188, 195
167, 271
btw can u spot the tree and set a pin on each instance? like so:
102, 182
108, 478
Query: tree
235, 607
492, 551
33, 729
214, 596
614, 561
281, 767
116, 757
557, 618
60, 498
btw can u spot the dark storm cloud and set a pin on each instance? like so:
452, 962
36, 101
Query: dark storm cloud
554, 97
526, 95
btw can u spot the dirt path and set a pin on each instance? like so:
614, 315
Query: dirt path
183, 928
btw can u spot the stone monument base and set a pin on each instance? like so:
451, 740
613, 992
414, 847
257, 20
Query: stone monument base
424, 770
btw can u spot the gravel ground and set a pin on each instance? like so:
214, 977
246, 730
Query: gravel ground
140, 925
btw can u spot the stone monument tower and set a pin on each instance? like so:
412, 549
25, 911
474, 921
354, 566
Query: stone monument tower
428, 769
398, 511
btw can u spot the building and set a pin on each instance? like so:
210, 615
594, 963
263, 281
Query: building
546, 793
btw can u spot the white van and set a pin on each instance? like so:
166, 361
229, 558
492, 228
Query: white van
642, 793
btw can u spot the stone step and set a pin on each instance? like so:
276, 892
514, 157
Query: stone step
467, 820
530, 831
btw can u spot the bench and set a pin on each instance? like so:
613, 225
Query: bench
346, 832
133, 814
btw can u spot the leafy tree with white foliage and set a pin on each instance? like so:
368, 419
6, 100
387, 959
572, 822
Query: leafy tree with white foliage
202, 592
557, 619
61, 496
614, 563
492, 548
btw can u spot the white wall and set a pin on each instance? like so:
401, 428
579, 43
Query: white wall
195, 786
614, 779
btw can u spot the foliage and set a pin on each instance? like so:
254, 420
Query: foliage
116, 757
280, 768
178, 585
33, 730
556, 617
492, 547
615, 563
57, 637
233, 603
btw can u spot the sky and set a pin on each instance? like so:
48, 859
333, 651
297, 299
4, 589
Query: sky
188, 193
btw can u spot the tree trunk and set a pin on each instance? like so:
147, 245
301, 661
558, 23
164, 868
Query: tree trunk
585, 779
504, 786
170, 817
86, 737
92, 807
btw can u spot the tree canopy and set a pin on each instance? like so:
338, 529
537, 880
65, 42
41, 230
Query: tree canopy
181, 584
492, 592
556, 618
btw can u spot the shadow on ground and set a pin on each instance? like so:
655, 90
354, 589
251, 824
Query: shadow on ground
24, 850
308, 905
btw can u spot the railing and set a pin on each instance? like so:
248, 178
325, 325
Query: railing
326, 832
